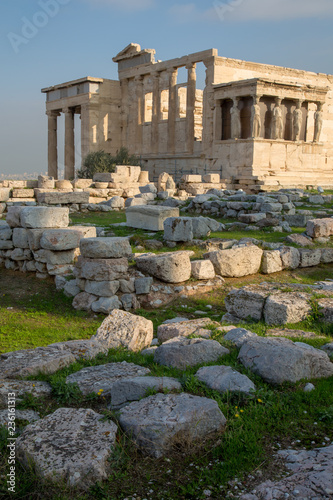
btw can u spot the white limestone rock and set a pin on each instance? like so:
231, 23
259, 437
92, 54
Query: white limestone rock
13, 217
246, 302
310, 257
20, 387
102, 269
83, 301
125, 391
237, 262
20, 238
44, 217
54, 258
106, 304
70, 444
100, 379
105, 248
239, 336
202, 269
181, 352
71, 289
149, 217
282, 308
185, 328
290, 257
172, 267
60, 239
271, 262
279, 360
123, 329
159, 423
178, 229
225, 379
102, 288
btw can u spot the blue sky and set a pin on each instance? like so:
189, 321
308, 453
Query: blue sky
45, 42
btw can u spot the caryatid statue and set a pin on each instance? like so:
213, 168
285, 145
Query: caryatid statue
318, 125
297, 121
235, 120
277, 120
255, 118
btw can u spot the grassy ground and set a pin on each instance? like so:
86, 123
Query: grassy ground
32, 314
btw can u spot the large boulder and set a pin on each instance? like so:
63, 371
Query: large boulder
100, 378
44, 217
172, 267
237, 262
282, 308
225, 379
127, 390
279, 360
123, 329
181, 352
159, 423
70, 444
105, 248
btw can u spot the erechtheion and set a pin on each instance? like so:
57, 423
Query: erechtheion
259, 126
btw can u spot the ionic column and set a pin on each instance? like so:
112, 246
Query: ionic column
69, 144
190, 107
140, 114
208, 108
172, 110
52, 146
124, 111
85, 131
156, 112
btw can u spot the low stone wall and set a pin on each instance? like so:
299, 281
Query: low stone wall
38, 239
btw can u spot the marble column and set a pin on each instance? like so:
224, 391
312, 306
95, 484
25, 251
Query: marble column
124, 111
172, 110
140, 114
190, 107
69, 144
156, 113
209, 112
52, 147
85, 131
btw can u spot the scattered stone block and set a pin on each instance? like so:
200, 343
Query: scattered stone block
102, 269
172, 267
225, 379
105, 248
309, 257
320, 227
280, 360
125, 391
54, 258
102, 288
20, 387
83, 301
143, 285
326, 309
271, 262
46, 182
13, 217
70, 444
185, 328
71, 289
149, 217
285, 308
60, 239
123, 329
239, 336
181, 352
326, 255
106, 304
44, 217
202, 269
159, 423
300, 240
178, 229
237, 262
246, 303
251, 218
100, 378
4, 194
290, 257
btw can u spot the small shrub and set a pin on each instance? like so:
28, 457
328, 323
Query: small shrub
100, 161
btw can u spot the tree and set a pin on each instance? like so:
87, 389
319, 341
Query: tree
100, 161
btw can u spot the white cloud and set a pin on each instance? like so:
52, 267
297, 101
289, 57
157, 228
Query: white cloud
128, 5
253, 10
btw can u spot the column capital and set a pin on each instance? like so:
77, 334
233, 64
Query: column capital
156, 74
190, 66
68, 110
139, 78
52, 113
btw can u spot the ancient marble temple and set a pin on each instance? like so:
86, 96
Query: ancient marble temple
259, 126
